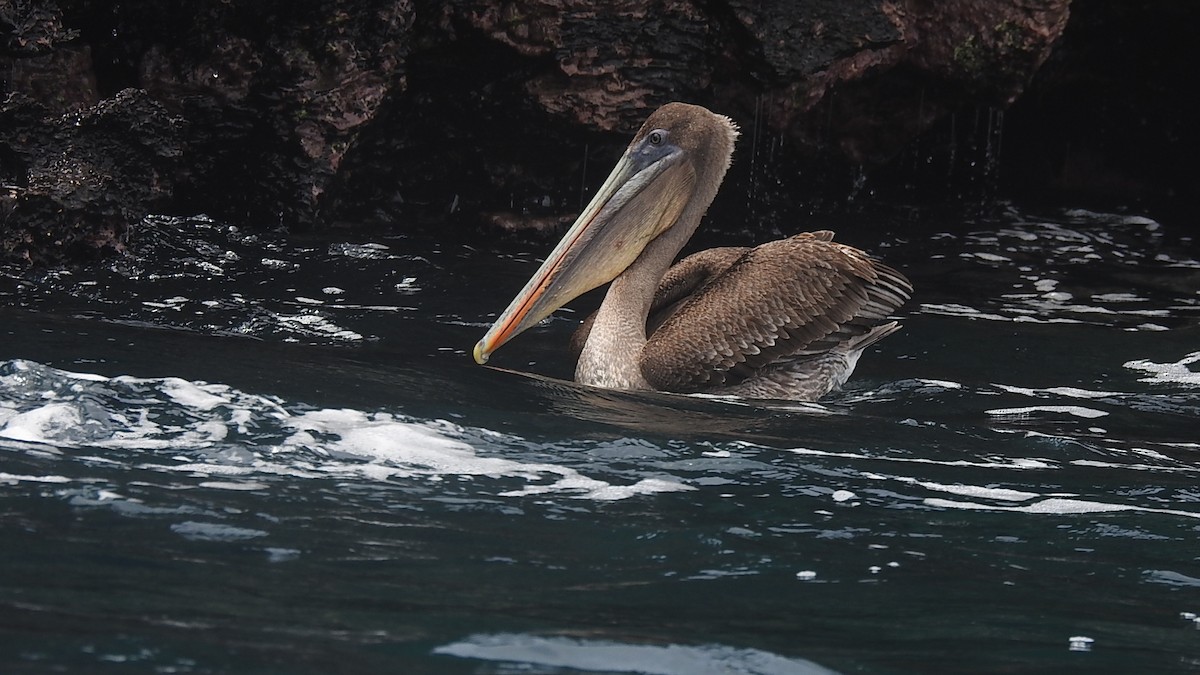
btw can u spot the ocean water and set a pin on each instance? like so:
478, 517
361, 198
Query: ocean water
244, 452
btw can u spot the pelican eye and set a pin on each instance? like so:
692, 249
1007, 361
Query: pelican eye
656, 137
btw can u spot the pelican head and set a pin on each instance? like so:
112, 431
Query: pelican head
681, 151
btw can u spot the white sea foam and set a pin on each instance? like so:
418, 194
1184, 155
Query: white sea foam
407, 286
12, 478
1057, 506
952, 309
396, 449
366, 251
588, 488
1168, 373
1080, 643
276, 264
617, 657
945, 384
192, 395
215, 531
1069, 392
1172, 578
1117, 297
1002, 494
1050, 300
998, 463
354, 444
43, 425
991, 257
1039, 311
22, 368
977, 491
375, 308
230, 485
1077, 411
316, 325
1037, 503
196, 429
1158, 468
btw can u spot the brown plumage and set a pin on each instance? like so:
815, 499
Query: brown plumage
787, 319
713, 326
682, 281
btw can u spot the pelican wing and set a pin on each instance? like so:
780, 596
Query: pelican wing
789, 298
677, 285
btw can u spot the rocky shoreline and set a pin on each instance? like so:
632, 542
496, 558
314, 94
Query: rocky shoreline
307, 114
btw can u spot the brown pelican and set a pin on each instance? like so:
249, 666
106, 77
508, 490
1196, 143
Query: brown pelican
787, 319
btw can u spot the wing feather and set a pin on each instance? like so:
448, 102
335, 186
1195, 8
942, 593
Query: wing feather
684, 278
797, 296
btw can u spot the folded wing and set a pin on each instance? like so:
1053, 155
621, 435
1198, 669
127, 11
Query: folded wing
786, 299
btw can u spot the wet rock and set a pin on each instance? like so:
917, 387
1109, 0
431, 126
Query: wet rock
841, 85
274, 93
264, 100
611, 62
41, 58
865, 78
605, 66
33, 27
301, 114
75, 183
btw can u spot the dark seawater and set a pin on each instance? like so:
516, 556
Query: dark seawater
237, 452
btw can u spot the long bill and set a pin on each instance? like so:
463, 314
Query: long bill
639, 200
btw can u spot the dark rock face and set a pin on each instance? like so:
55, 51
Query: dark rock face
83, 177
274, 93
304, 113
1110, 116
249, 110
843, 84
864, 78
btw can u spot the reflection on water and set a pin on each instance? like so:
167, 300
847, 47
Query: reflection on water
237, 452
